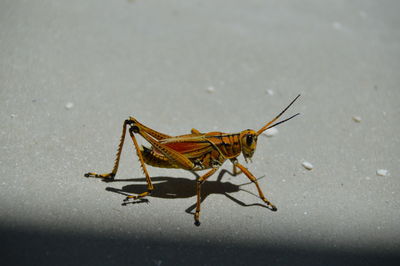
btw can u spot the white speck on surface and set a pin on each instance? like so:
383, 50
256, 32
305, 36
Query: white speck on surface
210, 89
269, 92
307, 165
337, 25
271, 132
382, 172
356, 119
13, 115
305, 213
69, 105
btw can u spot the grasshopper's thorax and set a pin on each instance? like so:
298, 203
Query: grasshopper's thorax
228, 145
248, 143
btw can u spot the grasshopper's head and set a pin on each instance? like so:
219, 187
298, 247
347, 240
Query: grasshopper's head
248, 138
248, 142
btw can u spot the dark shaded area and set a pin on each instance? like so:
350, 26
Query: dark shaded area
29, 247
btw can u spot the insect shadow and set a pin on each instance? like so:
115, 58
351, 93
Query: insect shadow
178, 187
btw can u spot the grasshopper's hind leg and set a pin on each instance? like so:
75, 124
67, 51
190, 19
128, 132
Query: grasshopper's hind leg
116, 164
150, 187
131, 121
194, 131
134, 125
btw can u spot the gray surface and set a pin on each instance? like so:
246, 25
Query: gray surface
155, 60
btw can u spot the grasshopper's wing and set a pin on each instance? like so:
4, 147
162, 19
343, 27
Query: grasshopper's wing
191, 145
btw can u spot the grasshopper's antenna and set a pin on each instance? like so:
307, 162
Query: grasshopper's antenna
267, 126
282, 121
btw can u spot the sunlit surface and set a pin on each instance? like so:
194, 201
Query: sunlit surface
72, 71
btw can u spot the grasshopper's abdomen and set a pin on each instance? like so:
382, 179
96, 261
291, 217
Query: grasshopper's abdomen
155, 159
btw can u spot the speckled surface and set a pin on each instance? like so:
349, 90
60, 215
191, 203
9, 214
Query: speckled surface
157, 60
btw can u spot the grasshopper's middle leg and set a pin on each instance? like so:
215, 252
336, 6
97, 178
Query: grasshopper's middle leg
200, 181
116, 164
254, 180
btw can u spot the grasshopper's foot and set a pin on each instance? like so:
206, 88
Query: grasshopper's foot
197, 219
272, 206
104, 176
130, 197
139, 196
125, 203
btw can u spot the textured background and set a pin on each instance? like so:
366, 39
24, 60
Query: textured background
156, 60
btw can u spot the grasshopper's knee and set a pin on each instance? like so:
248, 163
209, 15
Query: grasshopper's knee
132, 123
129, 122
132, 120
134, 129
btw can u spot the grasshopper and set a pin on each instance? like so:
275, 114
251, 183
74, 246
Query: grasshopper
194, 152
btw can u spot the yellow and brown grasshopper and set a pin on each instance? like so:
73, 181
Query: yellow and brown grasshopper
196, 151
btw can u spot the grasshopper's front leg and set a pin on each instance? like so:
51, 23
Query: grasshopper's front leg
254, 180
235, 170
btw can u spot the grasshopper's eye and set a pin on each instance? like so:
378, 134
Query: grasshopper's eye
249, 140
